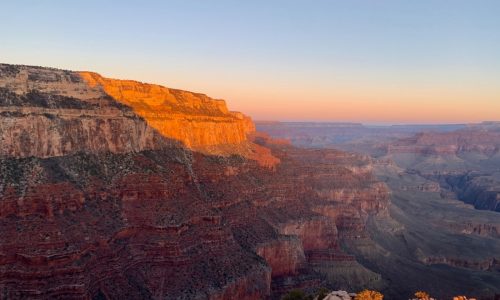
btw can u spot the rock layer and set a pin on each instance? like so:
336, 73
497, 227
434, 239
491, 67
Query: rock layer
194, 119
48, 112
102, 197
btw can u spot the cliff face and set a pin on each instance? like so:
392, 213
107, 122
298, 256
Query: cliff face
48, 112
194, 119
101, 197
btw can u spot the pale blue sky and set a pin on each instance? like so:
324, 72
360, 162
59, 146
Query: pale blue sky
294, 60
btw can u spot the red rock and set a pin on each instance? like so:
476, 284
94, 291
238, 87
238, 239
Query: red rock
101, 203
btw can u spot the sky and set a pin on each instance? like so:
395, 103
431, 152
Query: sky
371, 61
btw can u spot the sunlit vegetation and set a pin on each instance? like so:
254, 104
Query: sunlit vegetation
369, 295
421, 295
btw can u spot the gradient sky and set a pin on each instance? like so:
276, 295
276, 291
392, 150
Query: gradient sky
368, 61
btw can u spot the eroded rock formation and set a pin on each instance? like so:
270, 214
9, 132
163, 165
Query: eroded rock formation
113, 189
464, 162
48, 112
194, 119
428, 240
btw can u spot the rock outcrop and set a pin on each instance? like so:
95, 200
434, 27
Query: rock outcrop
196, 120
49, 112
339, 295
117, 189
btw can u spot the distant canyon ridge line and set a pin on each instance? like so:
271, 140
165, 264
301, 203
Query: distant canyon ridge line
462, 157
116, 188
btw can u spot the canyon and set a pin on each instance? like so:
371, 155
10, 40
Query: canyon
113, 189
463, 159
441, 227
465, 163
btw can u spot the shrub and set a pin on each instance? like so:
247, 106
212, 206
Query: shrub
421, 295
369, 295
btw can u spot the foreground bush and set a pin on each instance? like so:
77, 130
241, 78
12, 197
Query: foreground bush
421, 295
369, 295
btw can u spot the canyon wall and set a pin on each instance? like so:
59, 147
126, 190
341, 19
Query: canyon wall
49, 112
482, 190
425, 239
117, 189
463, 162
194, 119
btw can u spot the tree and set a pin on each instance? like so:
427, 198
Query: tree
369, 295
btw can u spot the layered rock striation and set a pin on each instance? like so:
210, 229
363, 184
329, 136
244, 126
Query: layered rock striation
116, 189
427, 240
194, 119
49, 112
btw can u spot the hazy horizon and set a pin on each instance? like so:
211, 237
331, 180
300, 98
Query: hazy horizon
384, 62
376, 123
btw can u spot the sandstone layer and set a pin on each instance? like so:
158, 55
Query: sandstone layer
49, 112
117, 189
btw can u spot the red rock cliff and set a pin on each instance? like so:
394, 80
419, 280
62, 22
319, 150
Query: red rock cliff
99, 199
195, 119
55, 112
